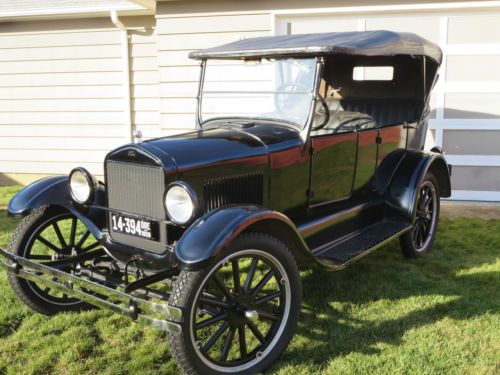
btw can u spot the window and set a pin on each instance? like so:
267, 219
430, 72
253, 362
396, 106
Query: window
272, 89
373, 73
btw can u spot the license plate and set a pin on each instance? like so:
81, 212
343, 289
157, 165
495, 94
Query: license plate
134, 226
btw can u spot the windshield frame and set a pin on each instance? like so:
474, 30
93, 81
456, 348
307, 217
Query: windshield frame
302, 129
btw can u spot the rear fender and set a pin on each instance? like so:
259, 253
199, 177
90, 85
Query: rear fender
54, 191
403, 191
208, 236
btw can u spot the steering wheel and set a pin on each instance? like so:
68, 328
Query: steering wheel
280, 100
326, 110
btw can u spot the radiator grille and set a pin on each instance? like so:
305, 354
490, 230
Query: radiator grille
241, 189
137, 189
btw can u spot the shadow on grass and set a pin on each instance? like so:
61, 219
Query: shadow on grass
446, 277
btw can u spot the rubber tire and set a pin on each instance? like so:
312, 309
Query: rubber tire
406, 241
21, 286
189, 282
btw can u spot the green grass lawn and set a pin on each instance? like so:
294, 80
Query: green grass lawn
6, 193
382, 315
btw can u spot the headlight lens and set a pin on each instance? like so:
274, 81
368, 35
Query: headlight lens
180, 203
81, 185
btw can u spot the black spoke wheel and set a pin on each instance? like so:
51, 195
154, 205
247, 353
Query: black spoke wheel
426, 216
49, 234
242, 310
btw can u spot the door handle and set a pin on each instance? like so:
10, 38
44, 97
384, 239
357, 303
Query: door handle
409, 126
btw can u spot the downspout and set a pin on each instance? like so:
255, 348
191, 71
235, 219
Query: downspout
129, 131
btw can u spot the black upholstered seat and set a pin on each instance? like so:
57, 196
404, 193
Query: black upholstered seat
385, 111
357, 114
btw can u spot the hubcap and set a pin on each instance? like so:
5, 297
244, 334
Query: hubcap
425, 218
240, 311
252, 315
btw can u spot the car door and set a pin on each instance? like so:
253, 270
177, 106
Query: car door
392, 143
379, 153
366, 161
333, 164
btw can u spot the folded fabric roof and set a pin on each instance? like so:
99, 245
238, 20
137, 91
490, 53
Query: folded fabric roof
361, 43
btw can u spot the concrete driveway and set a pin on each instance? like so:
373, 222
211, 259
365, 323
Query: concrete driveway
481, 210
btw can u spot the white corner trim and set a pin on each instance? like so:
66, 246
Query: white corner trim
390, 8
473, 160
478, 196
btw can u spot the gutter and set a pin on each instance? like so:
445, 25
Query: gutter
126, 76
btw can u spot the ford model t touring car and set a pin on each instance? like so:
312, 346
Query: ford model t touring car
308, 150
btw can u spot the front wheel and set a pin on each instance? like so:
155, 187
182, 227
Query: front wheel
241, 312
418, 241
45, 235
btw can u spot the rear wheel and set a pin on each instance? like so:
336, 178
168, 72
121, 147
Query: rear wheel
241, 312
48, 234
418, 241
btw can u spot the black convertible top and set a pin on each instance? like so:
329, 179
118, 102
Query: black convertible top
361, 43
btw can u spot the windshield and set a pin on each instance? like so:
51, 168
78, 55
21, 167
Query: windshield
275, 89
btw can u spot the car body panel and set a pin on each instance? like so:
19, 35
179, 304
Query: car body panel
54, 191
332, 167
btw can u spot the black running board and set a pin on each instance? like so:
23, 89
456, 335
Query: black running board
342, 252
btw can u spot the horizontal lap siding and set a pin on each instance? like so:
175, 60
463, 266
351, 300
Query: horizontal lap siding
177, 36
61, 96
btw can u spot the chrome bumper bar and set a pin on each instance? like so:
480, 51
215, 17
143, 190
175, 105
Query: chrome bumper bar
158, 315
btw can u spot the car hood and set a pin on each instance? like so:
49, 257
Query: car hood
223, 146
209, 147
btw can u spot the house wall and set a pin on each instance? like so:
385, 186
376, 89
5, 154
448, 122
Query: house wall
61, 92
61, 81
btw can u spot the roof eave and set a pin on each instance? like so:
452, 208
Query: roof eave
136, 7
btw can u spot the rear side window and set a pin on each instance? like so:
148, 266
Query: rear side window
373, 73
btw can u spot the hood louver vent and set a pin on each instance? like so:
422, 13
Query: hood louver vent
240, 189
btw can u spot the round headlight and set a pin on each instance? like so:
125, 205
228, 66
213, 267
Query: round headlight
82, 185
180, 203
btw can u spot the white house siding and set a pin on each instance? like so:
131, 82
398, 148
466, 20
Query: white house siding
61, 92
61, 97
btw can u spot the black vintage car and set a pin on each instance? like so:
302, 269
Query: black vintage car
308, 151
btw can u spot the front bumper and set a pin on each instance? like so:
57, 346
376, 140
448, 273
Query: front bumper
158, 315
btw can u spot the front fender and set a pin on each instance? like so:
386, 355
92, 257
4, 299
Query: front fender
54, 191
213, 232
47, 191
403, 191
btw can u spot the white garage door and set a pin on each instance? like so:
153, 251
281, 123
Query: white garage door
465, 117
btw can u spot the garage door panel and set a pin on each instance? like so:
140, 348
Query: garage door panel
472, 106
476, 178
425, 27
471, 142
484, 68
321, 25
474, 29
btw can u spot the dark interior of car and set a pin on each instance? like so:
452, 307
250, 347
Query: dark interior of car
357, 100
